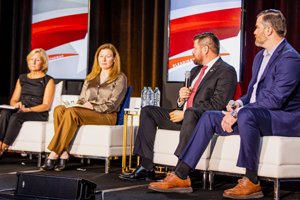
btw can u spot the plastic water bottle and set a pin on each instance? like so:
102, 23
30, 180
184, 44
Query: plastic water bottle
151, 96
156, 97
144, 97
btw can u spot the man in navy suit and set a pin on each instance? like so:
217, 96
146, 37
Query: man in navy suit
270, 107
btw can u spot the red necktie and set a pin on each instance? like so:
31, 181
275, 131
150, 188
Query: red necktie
193, 92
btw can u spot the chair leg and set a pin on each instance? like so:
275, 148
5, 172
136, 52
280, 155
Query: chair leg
211, 180
106, 165
204, 180
39, 160
276, 189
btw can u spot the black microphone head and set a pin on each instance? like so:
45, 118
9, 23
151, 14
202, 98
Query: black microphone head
231, 103
187, 74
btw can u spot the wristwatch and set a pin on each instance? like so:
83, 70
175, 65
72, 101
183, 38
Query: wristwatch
234, 114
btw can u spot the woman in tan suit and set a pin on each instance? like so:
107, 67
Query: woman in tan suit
103, 91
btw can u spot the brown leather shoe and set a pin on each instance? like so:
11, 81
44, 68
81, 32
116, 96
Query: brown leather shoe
172, 184
245, 189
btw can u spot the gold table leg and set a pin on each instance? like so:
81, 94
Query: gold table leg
128, 168
124, 142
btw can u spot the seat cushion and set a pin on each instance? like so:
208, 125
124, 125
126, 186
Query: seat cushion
31, 137
165, 144
95, 140
277, 156
225, 154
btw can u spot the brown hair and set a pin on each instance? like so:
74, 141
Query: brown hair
116, 68
210, 40
275, 19
44, 58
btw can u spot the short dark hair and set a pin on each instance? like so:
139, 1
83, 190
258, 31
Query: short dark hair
210, 40
275, 19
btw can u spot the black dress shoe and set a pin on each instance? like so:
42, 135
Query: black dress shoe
49, 164
140, 173
61, 165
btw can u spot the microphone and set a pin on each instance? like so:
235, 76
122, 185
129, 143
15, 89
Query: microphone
231, 103
187, 79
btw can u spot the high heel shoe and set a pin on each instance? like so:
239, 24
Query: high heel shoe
61, 165
49, 164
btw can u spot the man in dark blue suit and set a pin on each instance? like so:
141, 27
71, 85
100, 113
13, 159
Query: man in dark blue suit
270, 107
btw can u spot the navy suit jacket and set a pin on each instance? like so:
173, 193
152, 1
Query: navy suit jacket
278, 89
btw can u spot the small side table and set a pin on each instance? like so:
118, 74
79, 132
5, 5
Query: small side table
128, 112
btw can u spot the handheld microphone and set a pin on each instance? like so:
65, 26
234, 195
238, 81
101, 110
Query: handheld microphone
187, 79
231, 103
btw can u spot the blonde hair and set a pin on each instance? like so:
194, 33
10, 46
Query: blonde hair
44, 58
116, 68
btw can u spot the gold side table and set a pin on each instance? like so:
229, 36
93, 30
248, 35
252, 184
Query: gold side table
131, 113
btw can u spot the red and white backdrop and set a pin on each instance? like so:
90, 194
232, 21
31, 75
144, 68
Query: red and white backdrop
60, 27
189, 18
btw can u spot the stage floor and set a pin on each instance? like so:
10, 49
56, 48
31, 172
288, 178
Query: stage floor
110, 187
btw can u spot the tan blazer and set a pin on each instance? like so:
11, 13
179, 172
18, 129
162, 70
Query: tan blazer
105, 97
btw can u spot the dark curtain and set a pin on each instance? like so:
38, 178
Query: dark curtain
21, 39
290, 10
136, 28
5, 48
15, 34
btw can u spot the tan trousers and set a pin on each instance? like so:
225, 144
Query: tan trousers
66, 121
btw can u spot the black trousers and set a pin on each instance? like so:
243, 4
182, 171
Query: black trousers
11, 123
152, 117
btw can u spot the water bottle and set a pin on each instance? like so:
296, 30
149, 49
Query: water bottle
151, 96
143, 97
156, 97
